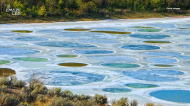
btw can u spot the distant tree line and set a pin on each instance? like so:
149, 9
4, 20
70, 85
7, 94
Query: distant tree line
83, 8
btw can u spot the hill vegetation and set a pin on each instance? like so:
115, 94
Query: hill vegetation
14, 92
67, 10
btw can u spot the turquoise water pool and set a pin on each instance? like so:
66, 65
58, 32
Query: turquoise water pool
181, 96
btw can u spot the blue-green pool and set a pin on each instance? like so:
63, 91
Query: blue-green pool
181, 96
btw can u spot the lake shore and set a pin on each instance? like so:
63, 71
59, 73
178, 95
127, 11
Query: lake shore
8, 18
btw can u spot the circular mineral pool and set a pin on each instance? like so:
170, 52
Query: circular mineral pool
157, 42
21, 44
31, 59
6, 34
184, 57
161, 60
114, 58
22, 31
149, 30
180, 96
108, 29
4, 62
93, 51
77, 29
6, 72
163, 25
165, 72
187, 39
31, 39
180, 32
73, 64
141, 85
67, 56
140, 47
142, 27
116, 90
186, 26
160, 53
97, 41
163, 65
64, 44
149, 36
186, 46
49, 31
86, 35
111, 32
154, 75
16, 51
120, 65
68, 78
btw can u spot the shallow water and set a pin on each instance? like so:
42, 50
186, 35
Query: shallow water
6, 34
31, 39
149, 30
120, 65
22, 31
181, 96
86, 35
140, 47
162, 42
162, 60
149, 36
65, 44
87, 62
163, 65
93, 51
141, 85
180, 32
67, 56
114, 58
31, 59
16, 51
116, 90
4, 62
154, 75
68, 78
73, 64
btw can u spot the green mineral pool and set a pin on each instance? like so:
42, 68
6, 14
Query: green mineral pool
141, 85
163, 65
183, 28
22, 31
4, 62
116, 90
157, 42
6, 72
142, 27
77, 29
120, 65
21, 44
112, 32
73, 64
150, 30
67, 56
31, 59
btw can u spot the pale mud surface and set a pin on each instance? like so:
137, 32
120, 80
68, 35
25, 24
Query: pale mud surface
90, 49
